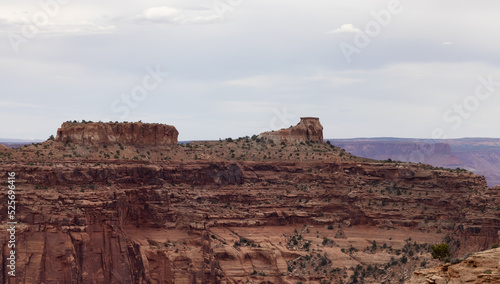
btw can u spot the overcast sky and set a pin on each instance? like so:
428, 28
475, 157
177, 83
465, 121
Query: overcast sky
230, 68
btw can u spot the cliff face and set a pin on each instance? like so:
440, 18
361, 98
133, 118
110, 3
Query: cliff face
224, 222
308, 129
482, 267
137, 134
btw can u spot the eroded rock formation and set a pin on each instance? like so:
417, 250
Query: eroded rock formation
308, 129
481, 267
137, 134
216, 222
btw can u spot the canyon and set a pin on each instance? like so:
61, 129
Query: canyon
108, 209
479, 155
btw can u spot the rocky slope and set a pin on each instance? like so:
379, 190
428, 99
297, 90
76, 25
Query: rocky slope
237, 211
138, 134
308, 129
4, 148
482, 267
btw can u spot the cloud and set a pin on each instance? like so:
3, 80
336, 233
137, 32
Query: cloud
162, 14
79, 28
345, 28
11, 19
16, 24
447, 43
170, 15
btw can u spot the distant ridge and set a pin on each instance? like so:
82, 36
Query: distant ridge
14, 140
480, 155
16, 143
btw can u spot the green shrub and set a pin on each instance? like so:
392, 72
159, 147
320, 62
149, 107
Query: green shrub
440, 251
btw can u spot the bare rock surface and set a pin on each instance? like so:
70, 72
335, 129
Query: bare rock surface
97, 133
481, 267
308, 129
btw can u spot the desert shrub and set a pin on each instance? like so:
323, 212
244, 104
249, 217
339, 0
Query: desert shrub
440, 251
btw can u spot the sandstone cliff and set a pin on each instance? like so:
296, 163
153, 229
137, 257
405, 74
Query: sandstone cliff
138, 134
308, 129
482, 267
229, 221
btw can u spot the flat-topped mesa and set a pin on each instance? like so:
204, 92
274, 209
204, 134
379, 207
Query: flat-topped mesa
135, 133
308, 129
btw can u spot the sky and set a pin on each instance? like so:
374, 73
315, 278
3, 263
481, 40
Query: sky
231, 68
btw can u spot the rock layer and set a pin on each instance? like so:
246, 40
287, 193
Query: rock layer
137, 134
185, 222
308, 129
482, 267
479, 155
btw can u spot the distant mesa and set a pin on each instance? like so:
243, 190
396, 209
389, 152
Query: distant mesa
135, 133
308, 129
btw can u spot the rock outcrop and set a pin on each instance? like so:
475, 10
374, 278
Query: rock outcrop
308, 129
482, 267
137, 134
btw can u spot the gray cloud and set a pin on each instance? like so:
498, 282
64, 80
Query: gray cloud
230, 70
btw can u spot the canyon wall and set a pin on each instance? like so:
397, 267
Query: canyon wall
480, 155
436, 154
212, 222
